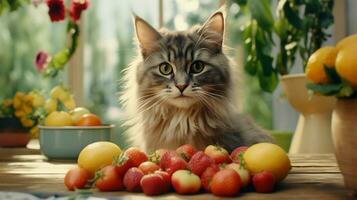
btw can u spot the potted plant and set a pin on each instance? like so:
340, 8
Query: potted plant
274, 45
19, 117
340, 80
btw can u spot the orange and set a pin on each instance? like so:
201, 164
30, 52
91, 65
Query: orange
315, 71
346, 64
350, 40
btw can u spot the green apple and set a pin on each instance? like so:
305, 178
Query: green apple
77, 113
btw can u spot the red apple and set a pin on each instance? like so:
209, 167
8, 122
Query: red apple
185, 182
243, 173
226, 183
199, 162
236, 152
166, 178
153, 184
264, 182
132, 179
207, 176
186, 151
148, 167
218, 154
175, 163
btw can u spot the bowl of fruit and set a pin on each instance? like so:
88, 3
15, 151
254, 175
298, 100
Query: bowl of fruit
65, 134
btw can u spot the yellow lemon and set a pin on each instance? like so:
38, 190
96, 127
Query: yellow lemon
58, 118
59, 93
347, 41
51, 105
97, 155
267, 157
315, 71
346, 64
70, 104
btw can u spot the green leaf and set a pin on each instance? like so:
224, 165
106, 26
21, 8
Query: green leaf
250, 67
268, 83
325, 89
346, 91
261, 11
292, 16
241, 2
332, 74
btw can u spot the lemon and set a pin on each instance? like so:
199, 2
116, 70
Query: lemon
346, 64
267, 157
97, 155
58, 118
59, 93
51, 105
348, 41
70, 104
315, 71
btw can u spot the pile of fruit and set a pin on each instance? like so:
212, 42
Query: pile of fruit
61, 110
184, 170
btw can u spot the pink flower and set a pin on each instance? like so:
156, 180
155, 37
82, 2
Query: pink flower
41, 60
76, 8
56, 10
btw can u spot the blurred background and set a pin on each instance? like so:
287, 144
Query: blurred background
106, 48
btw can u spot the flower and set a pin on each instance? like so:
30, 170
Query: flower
76, 8
56, 10
41, 60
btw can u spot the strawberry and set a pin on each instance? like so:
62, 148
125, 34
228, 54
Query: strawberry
199, 162
153, 184
108, 179
122, 164
235, 155
243, 173
226, 183
264, 182
175, 163
165, 158
132, 179
136, 156
207, 176
186, 151
166, 178
157, 155
148, 167
218, 154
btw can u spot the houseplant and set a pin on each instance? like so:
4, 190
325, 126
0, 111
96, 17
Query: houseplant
339, 78
274, 44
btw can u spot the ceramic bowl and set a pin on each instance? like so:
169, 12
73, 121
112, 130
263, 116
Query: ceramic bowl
66, 142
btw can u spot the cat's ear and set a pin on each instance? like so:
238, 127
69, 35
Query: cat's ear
147, 36
216, 25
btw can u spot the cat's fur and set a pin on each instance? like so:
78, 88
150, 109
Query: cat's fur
159, 116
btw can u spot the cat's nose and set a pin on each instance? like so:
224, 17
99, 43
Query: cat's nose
181, 87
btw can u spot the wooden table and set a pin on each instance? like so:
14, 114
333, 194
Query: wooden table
312, 177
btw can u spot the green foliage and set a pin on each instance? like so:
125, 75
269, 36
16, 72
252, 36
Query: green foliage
300, 25
12, 5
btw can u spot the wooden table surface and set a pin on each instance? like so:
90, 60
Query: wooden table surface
312, 177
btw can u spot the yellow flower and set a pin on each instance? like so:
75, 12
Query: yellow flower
34, 132
38, 99
18, 99
27, 109
26, 122
20, 113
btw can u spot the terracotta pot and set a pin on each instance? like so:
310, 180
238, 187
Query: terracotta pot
344, 132
12, 134
313, 130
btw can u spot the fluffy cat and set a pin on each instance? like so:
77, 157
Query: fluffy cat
180, 89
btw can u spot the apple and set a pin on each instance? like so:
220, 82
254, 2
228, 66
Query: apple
77, 113
132, 179
264, 182
175, 163
243, 173
186, 151
218, 154
148, 167
226, 183
153, 184
199, 162
167, 179
207, 176
235, 155
185, 182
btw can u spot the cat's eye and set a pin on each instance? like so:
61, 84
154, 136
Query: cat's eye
197, 67
165, 68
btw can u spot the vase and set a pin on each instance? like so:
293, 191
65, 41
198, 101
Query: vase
12, 134
344, 132
313, 130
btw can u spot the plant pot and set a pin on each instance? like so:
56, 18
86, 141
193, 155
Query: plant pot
344, 132
313, 130
12, 134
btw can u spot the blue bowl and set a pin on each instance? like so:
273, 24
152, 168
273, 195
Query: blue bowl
66, 142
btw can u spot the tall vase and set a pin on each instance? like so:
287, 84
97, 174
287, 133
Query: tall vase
344, 132
313, 130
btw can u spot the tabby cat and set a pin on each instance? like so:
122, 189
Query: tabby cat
180, 89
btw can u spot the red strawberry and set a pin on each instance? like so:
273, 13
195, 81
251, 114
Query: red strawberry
236, 152
136, 156
243, 173
153, 184
218, 154
226, 183
264, 182
109, 180
157, 155
207, 176
148, 167
175, 163
199, 162
132, 179
164, 161
122, 164
186, 151
166, 178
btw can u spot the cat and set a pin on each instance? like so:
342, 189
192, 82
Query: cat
180, 88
